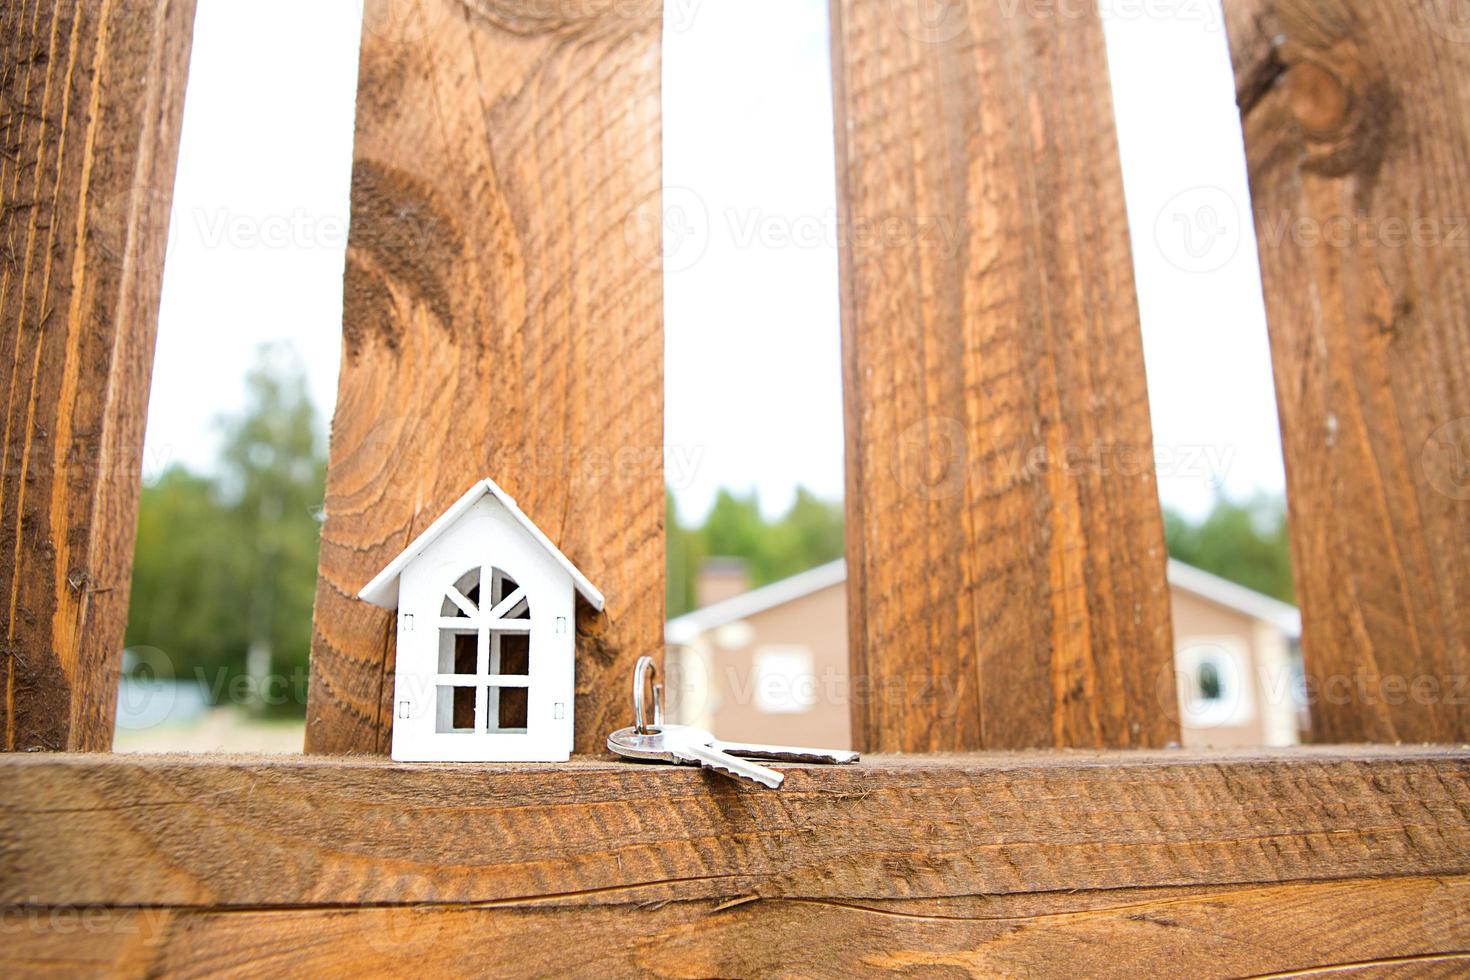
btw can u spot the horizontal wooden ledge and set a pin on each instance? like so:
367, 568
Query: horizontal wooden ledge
1417, 924
212, 832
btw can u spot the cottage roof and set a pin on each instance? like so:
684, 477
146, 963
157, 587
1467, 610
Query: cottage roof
686, 627
1284, 616
1184, 577
383, 589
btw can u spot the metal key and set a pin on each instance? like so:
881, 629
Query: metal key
685, 745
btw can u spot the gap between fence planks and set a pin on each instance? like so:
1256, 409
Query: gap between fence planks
91, 97
1006, 553
502, 318
1357, 129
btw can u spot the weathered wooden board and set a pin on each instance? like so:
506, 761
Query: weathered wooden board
1006, 555
1357, 128
91, 97
1419, 924
207, 833
503, 318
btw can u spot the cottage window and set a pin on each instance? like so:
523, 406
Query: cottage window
1210, 684
1214, 678
484, 655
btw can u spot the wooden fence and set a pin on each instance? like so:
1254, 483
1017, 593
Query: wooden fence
503, 315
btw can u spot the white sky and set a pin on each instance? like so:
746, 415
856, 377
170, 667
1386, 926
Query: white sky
754, 381
259, 233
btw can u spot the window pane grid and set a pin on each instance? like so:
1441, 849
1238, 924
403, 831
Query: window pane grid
484, 680
464, 624
484, 684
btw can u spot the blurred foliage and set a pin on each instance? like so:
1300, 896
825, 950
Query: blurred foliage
226, 562
681, 561
807, 535
1245, 542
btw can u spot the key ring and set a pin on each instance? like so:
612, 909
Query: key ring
646, 665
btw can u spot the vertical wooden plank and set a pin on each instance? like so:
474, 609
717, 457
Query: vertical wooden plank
92, 97
503, 318
1357, 129
1005, 545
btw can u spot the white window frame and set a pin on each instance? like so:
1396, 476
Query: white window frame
510, 616
784, 679
1230, 657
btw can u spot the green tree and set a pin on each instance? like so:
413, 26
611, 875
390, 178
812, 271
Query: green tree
735, 528
683, 560
183, 583
1245, 542
809, 534
225, 569
272, 472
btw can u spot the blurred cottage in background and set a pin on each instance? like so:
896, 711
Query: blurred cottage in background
770, 664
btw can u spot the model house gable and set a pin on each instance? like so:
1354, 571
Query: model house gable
485, 664
383, 589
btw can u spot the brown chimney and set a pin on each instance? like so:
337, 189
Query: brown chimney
720, 579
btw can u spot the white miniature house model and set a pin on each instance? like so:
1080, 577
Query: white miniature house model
486, 637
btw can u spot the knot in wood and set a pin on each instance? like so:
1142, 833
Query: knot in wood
1347, 111
1319, 100
591, 622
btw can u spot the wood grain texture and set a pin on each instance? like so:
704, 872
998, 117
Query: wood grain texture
1005, 550
205, 833
1357, 127
1419, 925
503, 318
91, 97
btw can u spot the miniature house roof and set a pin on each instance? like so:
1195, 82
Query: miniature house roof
383, 589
